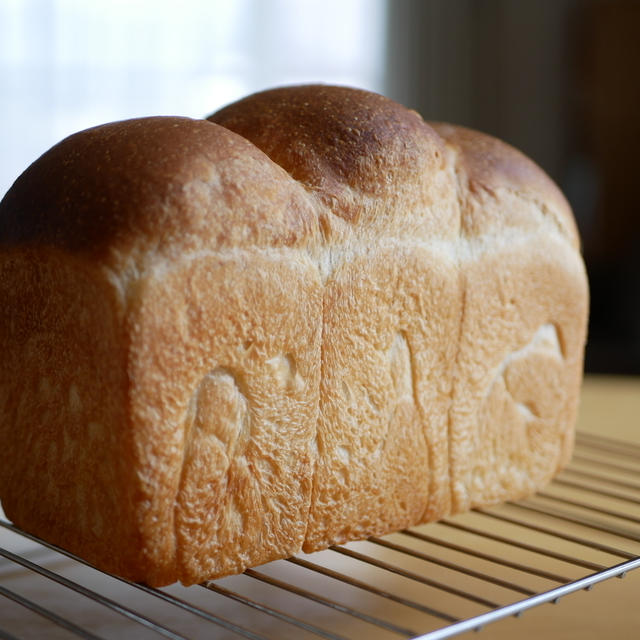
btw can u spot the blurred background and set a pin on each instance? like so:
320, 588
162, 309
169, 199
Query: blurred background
558, 79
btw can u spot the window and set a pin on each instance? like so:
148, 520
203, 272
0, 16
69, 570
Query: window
69, 64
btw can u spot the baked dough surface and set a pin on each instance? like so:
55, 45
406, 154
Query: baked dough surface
310, 319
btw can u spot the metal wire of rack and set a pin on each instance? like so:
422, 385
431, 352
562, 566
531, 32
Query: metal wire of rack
429, 582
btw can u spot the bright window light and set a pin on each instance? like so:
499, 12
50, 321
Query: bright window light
70, 64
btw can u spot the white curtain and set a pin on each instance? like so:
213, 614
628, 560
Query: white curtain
69, 64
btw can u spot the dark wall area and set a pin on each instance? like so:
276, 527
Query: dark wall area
561, 81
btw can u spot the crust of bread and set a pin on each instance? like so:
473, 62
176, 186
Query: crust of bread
519, 361
310, 319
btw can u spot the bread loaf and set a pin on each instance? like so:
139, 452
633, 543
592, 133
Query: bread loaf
308, 319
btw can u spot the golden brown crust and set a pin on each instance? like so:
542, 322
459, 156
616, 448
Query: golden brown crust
384, 394
225, 412
323, 320
63, 409
110, 187
331, 137
353, 148
489, 166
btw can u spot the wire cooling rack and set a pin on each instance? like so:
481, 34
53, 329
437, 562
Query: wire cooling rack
429, 582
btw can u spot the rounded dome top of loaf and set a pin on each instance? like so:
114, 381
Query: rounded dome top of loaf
487, 164
271, 170
346, 144
167, 180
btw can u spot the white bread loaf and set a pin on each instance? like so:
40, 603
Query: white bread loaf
310, 319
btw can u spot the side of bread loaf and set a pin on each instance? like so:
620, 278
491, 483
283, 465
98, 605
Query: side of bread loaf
519, 360
310, 319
